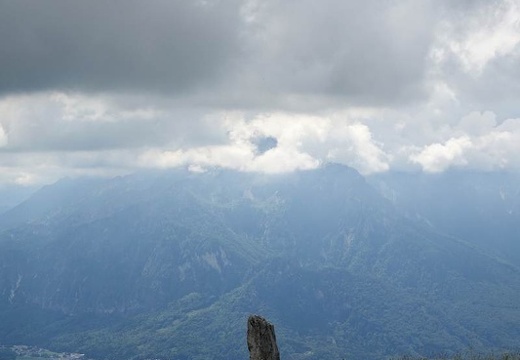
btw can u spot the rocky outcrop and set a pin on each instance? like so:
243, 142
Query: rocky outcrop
261, 340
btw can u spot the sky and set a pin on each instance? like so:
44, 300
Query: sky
111, 87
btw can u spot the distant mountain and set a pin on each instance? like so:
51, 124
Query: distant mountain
12, 195
482, 208
169, 264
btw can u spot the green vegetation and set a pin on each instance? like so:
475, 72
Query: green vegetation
470, 355
169, 267
7, 354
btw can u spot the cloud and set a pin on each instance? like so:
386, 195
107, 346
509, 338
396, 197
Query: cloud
240, 53
362, 51
244, 54
272, 55
240, 152
476, 123
302, 142
477, 52
3, 137
231, 157
481, 144
491, 32
77, 122
155, 45
353, 145
439, 157
272, 86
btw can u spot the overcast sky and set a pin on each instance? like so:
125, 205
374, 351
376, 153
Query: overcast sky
109, 87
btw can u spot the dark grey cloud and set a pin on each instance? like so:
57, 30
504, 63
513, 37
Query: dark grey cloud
235, 53
367, 52
95, 45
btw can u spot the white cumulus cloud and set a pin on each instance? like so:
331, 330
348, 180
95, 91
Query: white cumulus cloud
438, 157
3, 137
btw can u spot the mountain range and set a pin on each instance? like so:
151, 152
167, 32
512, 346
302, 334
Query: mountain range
169, 264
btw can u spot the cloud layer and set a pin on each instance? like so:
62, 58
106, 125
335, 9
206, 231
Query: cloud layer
107, 87
158, 45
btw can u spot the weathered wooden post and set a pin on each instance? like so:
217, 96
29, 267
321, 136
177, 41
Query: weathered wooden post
261, 340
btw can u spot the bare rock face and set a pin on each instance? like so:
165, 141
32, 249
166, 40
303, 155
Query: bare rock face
261, 340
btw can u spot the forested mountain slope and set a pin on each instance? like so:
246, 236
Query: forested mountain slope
483, 208
169, 264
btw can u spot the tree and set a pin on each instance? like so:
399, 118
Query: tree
7, 354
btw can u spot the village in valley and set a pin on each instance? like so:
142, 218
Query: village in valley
24, 352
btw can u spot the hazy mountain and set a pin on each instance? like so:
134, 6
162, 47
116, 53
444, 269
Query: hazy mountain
169, 264
482, 208
12, 195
